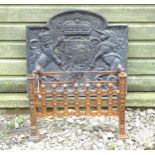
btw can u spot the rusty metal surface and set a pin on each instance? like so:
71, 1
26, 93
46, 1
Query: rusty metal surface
68, 98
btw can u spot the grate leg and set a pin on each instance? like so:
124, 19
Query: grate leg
34, 135
122, 132
122, 85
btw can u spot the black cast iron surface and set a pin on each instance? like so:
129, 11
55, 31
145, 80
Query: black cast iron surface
77, 40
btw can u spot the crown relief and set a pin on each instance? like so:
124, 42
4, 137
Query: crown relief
76, 26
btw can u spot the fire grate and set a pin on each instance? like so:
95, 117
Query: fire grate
77, 66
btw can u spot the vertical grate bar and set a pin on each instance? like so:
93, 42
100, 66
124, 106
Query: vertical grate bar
43, 99
87, 93
98, 95
110, 85
65, 99
54, 95
76, 93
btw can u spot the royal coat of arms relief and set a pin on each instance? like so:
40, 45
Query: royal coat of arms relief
77, 41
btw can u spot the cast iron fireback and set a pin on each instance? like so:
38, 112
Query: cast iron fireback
77, 41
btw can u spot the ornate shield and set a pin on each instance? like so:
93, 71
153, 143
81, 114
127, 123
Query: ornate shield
77, 54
